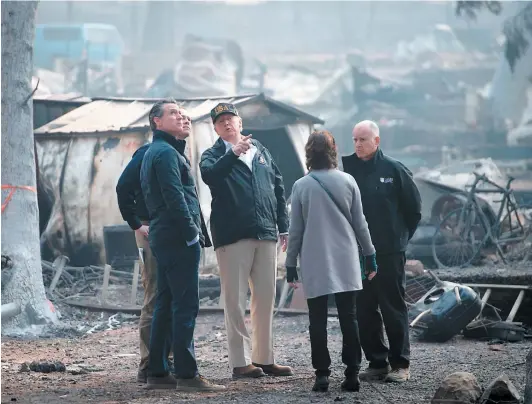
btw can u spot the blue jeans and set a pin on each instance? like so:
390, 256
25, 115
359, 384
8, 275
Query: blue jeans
176, 306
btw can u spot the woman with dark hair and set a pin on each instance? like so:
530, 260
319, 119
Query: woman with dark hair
326, 223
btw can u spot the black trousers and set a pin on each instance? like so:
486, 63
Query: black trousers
351, 351
387, 293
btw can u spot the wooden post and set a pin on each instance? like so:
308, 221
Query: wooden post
485, 298
135, 283
516, 306
105, 285
58, 265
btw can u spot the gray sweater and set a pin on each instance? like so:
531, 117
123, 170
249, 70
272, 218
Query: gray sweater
323, 238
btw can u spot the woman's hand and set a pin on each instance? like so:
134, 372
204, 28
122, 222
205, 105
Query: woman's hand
370, 266
291, 276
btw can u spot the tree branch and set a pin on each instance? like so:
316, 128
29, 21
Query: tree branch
33, 92
516, 28
471, 8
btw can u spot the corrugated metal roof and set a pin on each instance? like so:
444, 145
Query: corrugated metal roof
98, 116
120, 114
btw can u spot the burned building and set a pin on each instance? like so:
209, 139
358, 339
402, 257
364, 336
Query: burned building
82, 153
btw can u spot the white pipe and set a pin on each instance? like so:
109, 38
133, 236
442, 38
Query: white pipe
10, 310
416, 320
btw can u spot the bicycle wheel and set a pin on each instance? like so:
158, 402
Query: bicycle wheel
458, 238
515, 233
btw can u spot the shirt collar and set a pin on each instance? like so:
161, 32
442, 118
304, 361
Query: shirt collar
227, 145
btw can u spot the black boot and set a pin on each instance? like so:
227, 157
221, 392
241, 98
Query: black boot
321, 384
351, 383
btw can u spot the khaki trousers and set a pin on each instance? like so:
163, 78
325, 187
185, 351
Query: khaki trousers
250, 263
149, 283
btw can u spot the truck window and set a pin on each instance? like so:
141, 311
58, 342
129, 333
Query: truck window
103, 36
62, 34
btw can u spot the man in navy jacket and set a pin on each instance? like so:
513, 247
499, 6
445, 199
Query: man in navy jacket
176, 237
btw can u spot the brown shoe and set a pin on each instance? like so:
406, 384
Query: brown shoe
198, 383
250, 371
276, 370
167, 382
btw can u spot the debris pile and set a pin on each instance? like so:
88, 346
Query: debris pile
112, 323
208, 302
78, 281
43, 366
440, 308
444, 311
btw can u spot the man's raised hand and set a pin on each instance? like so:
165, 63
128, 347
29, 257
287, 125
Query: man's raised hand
243, 145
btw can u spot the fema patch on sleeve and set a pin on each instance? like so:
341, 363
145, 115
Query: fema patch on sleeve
386, 180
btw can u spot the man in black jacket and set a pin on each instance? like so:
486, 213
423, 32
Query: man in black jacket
248, 212
135, 213
176, 237
392, 207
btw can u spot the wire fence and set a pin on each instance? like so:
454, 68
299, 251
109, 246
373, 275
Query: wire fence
417, 287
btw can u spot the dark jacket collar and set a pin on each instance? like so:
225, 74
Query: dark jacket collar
352, 163
219, 144
354, 159
177, 144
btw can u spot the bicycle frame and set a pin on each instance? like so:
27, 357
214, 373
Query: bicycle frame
468, 215
491, 231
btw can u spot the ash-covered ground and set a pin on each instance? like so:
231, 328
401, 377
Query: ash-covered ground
101, 365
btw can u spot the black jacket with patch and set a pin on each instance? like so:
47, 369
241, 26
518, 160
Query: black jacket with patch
170, 193
245, 203
390, 200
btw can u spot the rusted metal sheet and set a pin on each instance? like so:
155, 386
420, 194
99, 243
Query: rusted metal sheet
98, 116
124, 114
51, 157
113, 115
85, 198
75, 191
113, 154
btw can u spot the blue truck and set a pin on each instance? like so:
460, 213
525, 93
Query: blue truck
99, 43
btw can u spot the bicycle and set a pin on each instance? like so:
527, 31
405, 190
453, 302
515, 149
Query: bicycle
465, 232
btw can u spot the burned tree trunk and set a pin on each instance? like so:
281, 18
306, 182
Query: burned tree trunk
23, 288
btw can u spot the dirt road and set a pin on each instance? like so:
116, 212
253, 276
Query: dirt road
109, 360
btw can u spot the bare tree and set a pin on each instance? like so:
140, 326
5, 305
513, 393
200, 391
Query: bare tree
516, 28
20, 216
